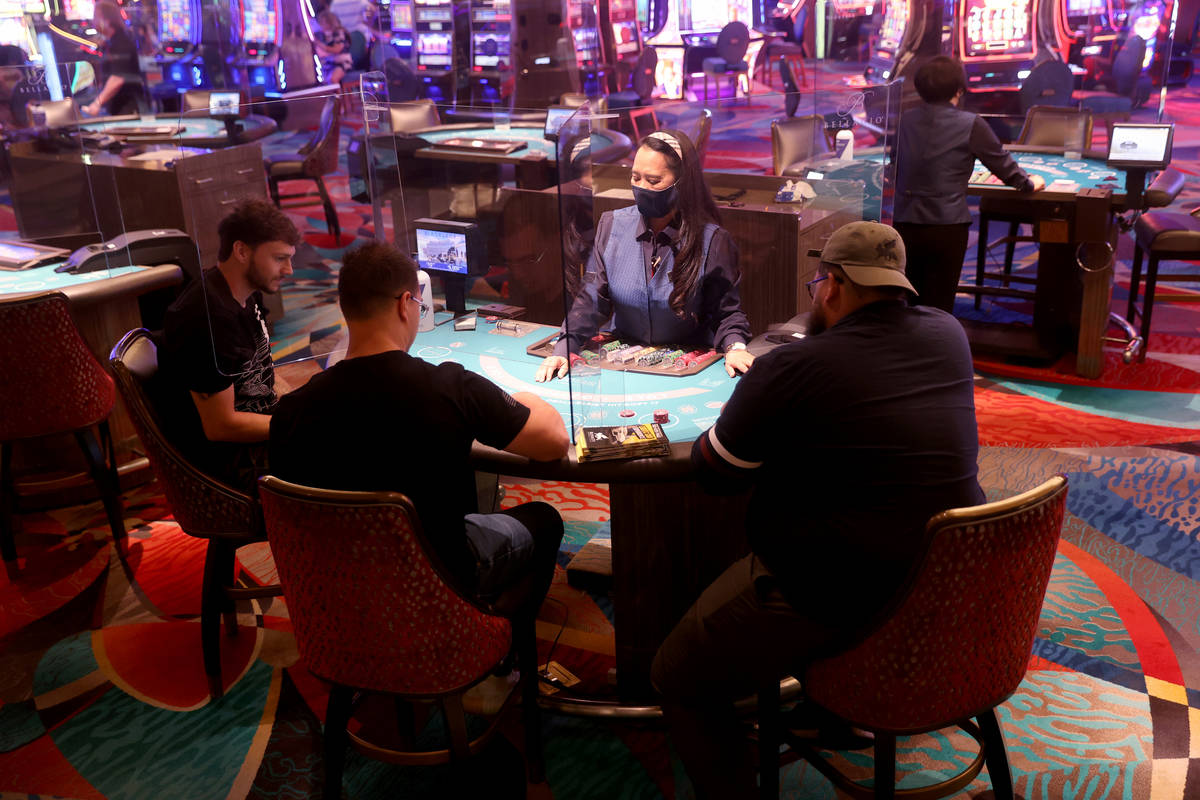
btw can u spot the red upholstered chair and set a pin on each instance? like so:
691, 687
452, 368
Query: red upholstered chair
373, 613
956, 645
52, 384
203, 507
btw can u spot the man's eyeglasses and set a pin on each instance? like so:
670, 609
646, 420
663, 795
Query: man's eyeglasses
424, 308
812, 285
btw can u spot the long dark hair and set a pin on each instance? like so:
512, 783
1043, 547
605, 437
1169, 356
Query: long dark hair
696, 208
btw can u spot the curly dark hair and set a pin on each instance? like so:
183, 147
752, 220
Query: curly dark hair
253, 222
696, 209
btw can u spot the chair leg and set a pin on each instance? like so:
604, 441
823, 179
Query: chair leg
1135, 280
1148, 303
331, 218
885, 766
102, 466
996, 755
218, 574
531, 714
768, 742
456, 727
337, 717
1010, 249
8, 546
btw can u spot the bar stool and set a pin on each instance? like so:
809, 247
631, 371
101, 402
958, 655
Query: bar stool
1166, 236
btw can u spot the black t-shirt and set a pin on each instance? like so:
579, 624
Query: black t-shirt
855, 438
120, 58
391, 422
209, 343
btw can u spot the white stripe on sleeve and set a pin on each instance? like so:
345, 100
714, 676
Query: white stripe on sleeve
727, 456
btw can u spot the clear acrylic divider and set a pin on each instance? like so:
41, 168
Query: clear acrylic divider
282, 151
63, 187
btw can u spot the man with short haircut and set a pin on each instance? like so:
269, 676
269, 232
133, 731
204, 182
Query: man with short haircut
383, 420
217, 383
852, 439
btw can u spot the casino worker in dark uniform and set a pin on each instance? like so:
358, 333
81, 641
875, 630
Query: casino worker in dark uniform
663, 270
216, 384
851, 438
119, 66
937, 144
382, 420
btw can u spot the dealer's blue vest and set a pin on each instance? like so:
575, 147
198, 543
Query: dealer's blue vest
643, 309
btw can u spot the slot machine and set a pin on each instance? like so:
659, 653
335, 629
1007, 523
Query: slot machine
16, 29
1082, 29
1148, 20
179, 29
689, 35
435, 46
261, 34
491, 50
885, 49
848, 21
396, 17
997, 41
622, 38
589, 45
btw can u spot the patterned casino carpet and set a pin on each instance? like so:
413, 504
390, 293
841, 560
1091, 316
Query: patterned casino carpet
102, 693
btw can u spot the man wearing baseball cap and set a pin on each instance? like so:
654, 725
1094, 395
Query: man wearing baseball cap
851, 438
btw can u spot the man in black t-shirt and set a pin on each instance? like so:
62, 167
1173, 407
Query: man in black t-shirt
216, 384
852, 439
119, 67
384, 420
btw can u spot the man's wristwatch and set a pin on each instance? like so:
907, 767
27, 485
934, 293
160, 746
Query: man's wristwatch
735, 346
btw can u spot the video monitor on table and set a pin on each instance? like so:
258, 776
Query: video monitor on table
1146, 145
555, 117
224, 105
449, 247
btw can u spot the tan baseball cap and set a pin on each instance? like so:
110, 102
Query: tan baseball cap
871, 253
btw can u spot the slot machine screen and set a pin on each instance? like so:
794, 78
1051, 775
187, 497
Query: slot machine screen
258, 18
13, 31
587, 44
490, 49
1146, 21
997, 28
402, 17
625, 36
708, 16
1086, 8
84, 10
895, 20
433, 49
175, 22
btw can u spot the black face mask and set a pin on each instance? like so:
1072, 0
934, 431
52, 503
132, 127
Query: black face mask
655, 204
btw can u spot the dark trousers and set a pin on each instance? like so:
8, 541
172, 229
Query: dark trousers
739, 635
934, 256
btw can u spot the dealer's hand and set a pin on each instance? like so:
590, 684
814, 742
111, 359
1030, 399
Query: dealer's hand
92, 109
551, 367
738, 361
1038, 182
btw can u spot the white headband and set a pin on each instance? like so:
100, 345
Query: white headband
671, 141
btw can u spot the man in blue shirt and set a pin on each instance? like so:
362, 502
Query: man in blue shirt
851, 438
937, 144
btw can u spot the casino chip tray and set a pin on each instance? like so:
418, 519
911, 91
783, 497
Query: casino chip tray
608, 353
